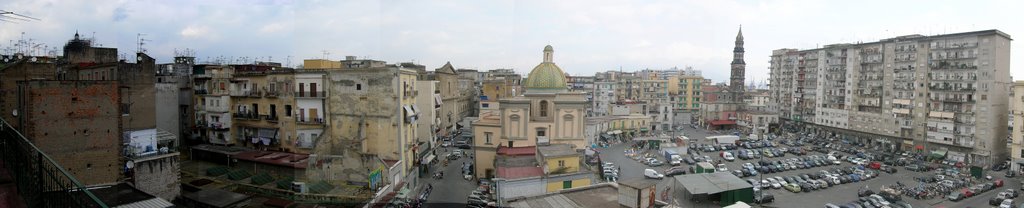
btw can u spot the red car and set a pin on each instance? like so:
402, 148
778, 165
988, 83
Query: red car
875, 165
999, 182
967, 192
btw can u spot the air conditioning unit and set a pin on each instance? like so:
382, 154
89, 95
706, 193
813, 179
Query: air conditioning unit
299, 187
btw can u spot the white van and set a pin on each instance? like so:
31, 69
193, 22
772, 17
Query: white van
651, 173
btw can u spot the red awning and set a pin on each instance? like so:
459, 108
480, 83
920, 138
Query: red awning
723, 122
920, 147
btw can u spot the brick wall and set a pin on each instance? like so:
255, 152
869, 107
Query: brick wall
77, 123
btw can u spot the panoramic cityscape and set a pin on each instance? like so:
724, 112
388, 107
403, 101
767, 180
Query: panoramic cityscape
526, 104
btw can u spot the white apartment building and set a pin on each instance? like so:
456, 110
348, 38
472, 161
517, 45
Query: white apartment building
944, 94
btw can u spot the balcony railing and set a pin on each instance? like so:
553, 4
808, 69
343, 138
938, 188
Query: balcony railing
311, 121
246, 115
310, 94
271, 94
40, 181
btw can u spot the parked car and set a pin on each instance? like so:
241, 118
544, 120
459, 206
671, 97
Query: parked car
651, 173
792, 187
1007, 203
677, 170
955, 196
763, 198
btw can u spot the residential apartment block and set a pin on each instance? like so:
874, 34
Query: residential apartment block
1017, 136
941, 93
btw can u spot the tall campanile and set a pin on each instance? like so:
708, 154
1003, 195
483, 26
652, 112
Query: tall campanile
738, 69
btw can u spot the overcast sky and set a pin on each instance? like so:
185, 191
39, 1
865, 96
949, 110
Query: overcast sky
588, 36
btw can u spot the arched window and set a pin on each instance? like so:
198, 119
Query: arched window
543, 108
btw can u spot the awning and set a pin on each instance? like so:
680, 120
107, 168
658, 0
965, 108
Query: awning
428, 159
618, 131
938, 154
643, 129
267, 136
901, 101
723, 122
437, 99
919, 147
408, 111
415, 109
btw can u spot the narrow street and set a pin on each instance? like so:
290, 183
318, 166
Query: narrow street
452, 190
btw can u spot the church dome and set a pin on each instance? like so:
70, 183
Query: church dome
546, 75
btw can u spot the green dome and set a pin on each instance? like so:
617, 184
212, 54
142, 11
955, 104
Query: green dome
547, 75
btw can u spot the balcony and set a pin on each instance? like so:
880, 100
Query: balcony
219, 126
311, 94
246, 115
215, 109
271, 94
309, 121
271, 118
201, 92
38, 179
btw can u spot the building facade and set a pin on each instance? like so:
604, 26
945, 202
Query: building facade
547, 113
1017, 136
923, 93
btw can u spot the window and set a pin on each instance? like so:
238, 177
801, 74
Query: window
540, 132
487, 137
543, 108
561, 163
359, 86
288, 110
485, 105
566, 184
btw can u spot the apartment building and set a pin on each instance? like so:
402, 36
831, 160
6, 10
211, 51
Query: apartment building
604, 98
943, 93
1017, 136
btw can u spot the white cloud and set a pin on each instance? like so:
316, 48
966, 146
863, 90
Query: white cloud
194, 31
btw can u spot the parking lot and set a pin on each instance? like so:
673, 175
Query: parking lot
836, 194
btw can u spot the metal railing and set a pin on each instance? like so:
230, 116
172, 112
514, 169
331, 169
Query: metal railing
40, 181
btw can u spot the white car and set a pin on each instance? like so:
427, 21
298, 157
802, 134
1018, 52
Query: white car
781, 181
774, 183
729, 157
1007, 203
721, 168
651, 173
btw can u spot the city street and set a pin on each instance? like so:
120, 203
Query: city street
838, 194
452, 190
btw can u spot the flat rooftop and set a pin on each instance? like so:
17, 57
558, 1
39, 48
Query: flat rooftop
556, 150
711, 183
604, 195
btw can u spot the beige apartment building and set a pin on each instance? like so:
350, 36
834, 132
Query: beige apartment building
1017, 136
944, 94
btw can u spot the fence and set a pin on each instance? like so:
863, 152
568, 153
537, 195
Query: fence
40, 181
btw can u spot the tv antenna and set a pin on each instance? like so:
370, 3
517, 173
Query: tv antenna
8, 16
325, 54
141, 42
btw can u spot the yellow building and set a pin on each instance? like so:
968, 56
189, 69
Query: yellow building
258, 107
320, 64
372, 111
561, 159
687, 96
545, 114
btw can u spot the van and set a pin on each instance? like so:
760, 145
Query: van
651, 173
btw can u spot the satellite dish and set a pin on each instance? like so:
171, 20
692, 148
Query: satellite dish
138, 58
15, 112
33, 59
